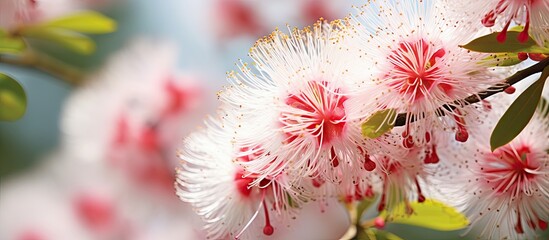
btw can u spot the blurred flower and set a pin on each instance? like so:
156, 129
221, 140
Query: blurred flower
410, 52
132, 115
14, 13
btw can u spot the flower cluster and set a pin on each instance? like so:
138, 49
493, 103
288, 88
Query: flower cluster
288, 131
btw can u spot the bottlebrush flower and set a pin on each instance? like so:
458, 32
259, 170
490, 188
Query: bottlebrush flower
532, 14
403, 174
505, 191
132, 114
221, 193
294, 106
413, 63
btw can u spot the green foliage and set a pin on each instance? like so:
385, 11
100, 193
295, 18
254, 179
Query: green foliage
13, 100
363, 206
489, 44
84, 22
429, 214
71, 40
519, 113
9, 44
379, 123
502, 59
375, 234
69, 31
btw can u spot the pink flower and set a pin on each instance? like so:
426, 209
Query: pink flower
294, 106
532, 14
412, 62
221, 191
505, 191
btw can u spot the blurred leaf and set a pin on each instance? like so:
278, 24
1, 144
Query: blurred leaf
84, 22
10, 44
363, 206
503, 59
13, 100
518, 114
379, 123
489, 44
376, 234
71, 40
429, 214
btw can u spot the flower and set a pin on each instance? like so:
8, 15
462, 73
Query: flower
220, 190
413, 64
532, 14
14, 13
132, 114
295, 106
505, 191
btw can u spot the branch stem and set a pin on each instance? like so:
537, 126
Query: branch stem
46, 64
515, 78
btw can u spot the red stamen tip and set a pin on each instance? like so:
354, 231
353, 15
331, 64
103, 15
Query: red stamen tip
501, 37
462, 135
379, 222
408, 142
510, 90
523, 37
542, 224
369, 165
268, 230
522, 56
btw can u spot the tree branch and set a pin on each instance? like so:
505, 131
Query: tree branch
46, 64
515, 78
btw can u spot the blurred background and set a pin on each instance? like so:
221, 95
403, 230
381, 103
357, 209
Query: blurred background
93, 156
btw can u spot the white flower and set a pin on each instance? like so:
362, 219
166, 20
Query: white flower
221, 193
294, 106
410, 53
132, 114
506, 191
533, 15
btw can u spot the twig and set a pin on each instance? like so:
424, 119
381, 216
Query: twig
515, 78
46, 64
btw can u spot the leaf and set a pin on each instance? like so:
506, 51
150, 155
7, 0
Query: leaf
84, 22
429, 214
489, 44
13, 100
518, 114
71, 40
379, 123
363, 206
376, 234
502, 59
10, 44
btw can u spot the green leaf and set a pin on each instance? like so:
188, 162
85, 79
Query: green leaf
489, 44
9, 44
13, 100
429, 214
519, 113
71, 40
363, 206
502, 59
379, 123
376, 234
84, 22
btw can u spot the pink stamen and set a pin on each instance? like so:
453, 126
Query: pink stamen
268, 229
